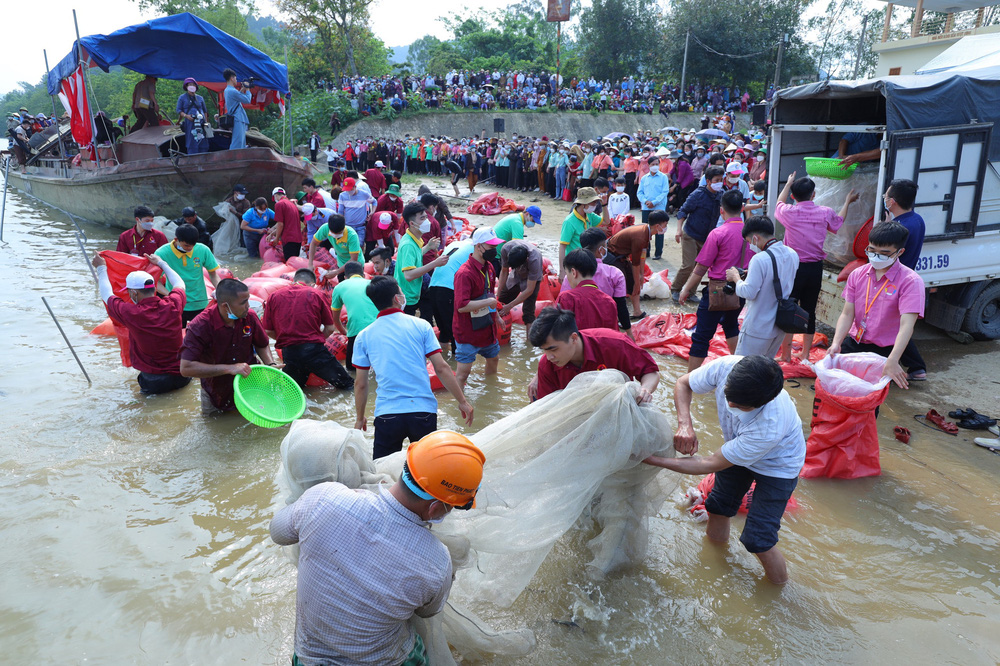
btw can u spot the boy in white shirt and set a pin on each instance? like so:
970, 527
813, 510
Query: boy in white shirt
618, 203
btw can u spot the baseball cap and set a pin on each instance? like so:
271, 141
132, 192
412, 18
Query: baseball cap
277, 190
350, 183
139, 280
485, 235
384, 220
535, 212
734, 167
240, 189
379, 165
308, 208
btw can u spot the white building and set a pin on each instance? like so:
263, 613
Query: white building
936, 25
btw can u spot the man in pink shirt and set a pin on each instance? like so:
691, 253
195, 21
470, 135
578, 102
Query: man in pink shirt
883, 301
806, 225
724, 248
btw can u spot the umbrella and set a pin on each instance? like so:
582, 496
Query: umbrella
487, 85
616, 135
712, 133
669, 129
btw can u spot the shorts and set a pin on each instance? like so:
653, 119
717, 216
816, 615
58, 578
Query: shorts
151, 384
767, 505
466, 353
392, 429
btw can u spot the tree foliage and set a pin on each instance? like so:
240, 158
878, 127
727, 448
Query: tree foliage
340, 26
606, 51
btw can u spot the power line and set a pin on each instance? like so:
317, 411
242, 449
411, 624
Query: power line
728, 55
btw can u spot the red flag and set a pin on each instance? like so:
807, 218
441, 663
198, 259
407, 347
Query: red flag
119, 266
74, 98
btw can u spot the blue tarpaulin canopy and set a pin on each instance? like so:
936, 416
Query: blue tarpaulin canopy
175, 47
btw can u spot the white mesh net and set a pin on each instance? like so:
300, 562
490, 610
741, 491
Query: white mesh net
226, 240
568, 458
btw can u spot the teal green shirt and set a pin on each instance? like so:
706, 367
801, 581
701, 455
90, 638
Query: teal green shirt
410, 255
573, 226
510, 227
345, 246
190, 267
360, 310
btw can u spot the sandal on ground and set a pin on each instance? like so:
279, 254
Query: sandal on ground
988, 443
918, 376
977, 422
935, 421
637, 317
902, 434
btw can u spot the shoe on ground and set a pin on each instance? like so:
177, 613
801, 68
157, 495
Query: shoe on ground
918, 376
988, 443
995, 430
675, 296
693, 298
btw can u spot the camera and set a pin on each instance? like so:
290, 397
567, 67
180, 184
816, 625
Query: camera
248, 83
730, 287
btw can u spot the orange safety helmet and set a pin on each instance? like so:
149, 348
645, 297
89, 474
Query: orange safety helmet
445, 466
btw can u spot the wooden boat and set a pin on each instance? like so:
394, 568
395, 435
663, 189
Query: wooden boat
138, 172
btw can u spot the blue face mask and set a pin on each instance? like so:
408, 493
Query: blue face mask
230, 313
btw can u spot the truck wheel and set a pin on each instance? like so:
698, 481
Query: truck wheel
983, 318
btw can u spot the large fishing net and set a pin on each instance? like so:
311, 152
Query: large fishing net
226, 240
565, 462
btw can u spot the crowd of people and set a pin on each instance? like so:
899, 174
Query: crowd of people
512, 90
427, 270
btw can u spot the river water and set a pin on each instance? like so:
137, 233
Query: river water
135, 529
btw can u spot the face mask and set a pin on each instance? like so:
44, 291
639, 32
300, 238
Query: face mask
717, 187
589, 209
240, 197
490, 254
425, 226
733, 179
880, 261
753, 246
619, 188
687, 152
437, 521
701, 153
757, 197
230, 314
654, 168
191, 89
146, 226
738, 414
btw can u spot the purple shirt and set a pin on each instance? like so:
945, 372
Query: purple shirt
899, 292
806, 225
724, 248
608, 278
682, 173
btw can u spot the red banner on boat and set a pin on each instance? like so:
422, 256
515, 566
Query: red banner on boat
74, 98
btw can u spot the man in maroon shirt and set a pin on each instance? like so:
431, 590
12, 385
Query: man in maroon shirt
376, 179
475, 307
300, 320
569, 351
390, 202
141, 239
288, 225
592, 307
153, 323
221, 342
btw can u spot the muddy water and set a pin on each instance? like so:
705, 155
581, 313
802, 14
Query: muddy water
135, 530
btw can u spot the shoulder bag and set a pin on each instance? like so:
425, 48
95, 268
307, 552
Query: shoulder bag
790, 317
718, 299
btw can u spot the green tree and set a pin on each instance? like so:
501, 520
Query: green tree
328, 19
618, 38
420, 52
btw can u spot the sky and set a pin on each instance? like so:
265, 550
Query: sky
396, 22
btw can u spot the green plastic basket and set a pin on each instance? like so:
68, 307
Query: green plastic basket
268, 397
828, 167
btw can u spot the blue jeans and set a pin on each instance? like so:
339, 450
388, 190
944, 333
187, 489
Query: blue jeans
466, 353
560, 181
765, 506
252, 240
708, 323
361, 233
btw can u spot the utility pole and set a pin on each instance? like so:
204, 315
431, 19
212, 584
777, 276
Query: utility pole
558, 43
687, 40
777, 66
861, 46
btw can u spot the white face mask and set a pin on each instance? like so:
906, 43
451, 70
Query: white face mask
880, 261
717, 187
146, 226
241, 197
654, 168
191, 89
738, 414
619, 188
425, 226
589, 209
753, 246
733, 179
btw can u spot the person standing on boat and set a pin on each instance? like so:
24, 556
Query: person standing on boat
193, 112
235, 99
144, 104
141, 239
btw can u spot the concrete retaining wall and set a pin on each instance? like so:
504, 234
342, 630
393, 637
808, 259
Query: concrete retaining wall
569, 125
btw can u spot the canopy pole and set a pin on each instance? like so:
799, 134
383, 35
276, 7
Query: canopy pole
288, 108
62, 148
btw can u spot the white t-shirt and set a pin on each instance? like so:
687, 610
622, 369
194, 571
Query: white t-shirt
618, 204
767, 440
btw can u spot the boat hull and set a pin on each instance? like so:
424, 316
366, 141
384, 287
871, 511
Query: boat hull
108, 195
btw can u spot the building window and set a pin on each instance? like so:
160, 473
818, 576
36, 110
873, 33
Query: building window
894, 71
